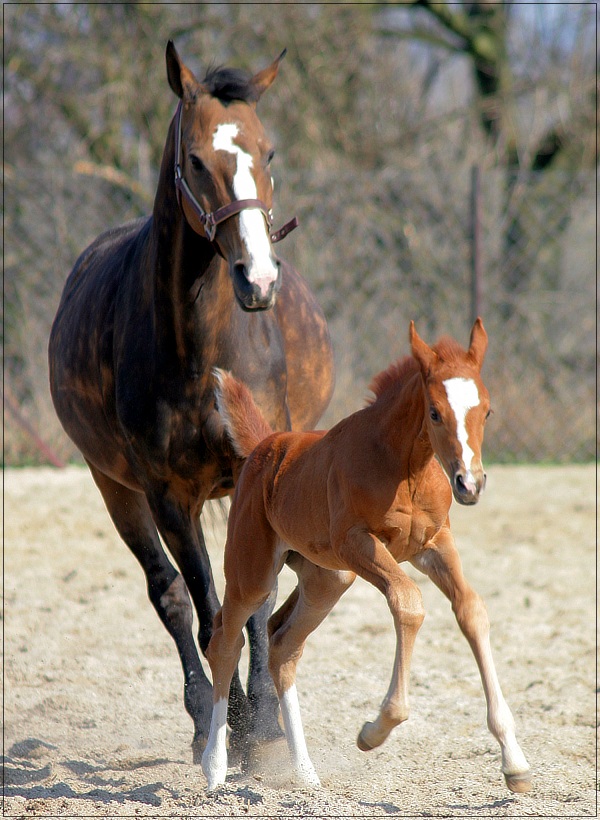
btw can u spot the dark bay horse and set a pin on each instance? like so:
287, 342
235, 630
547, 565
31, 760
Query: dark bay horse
148, 311
358, 500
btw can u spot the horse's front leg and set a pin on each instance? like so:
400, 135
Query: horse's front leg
181, 531
262, 696
365, 555
442, 564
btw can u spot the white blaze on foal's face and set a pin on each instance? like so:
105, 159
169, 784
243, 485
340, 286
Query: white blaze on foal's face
261, 269
462, 396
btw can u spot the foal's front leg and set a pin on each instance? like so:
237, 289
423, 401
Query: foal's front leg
442, 564
370, 559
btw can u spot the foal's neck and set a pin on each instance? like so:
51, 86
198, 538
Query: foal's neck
402, 423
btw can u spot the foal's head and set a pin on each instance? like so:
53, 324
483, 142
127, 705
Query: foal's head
225, 158
457, 405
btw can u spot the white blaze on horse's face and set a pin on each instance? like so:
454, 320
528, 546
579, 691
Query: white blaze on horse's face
262, 270
462, 397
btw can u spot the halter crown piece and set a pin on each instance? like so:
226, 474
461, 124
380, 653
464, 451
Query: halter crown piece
206, 223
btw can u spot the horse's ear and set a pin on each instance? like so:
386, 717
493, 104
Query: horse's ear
425, 356
182, 81
478, 344
264, 78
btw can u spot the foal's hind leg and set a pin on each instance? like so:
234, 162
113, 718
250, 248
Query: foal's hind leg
443, 566
317, 592
167, 591
240, 601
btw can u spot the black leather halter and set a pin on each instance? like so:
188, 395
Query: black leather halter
205, 223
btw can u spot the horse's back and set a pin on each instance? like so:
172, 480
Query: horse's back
308, 350
101, 259
81, 346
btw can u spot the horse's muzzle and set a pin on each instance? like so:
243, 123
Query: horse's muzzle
252, 296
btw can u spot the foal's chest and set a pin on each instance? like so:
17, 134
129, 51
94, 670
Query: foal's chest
407, 533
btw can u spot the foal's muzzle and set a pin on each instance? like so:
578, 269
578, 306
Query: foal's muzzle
467, 487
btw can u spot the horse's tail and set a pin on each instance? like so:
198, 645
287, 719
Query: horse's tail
245, 424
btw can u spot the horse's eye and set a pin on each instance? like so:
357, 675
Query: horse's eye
434, 415
270, 156
488, 414
196, 162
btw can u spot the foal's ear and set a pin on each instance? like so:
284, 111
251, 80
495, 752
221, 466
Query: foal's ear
182, 81
264, 78
478, 344
421, 351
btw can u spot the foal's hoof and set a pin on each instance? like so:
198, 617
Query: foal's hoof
366, 739
214, 766
519, 783
307, 776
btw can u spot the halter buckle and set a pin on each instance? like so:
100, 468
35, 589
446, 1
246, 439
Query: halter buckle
210, 226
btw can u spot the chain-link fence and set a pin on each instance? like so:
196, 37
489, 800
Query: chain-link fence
379, 248
385, 248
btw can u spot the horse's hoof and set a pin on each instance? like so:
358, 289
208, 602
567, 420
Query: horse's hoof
519, 783
264, 755
198, 747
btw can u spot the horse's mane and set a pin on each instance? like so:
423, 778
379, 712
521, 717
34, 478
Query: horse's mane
228, 84
396, 374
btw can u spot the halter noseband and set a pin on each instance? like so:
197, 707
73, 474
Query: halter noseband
206, 223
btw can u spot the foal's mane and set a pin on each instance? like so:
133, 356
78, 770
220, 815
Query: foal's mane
228, 84
395, 375
398, 373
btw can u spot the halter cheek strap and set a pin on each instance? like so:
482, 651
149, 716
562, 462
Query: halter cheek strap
205, 223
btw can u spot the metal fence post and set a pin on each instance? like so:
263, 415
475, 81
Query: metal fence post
475, 220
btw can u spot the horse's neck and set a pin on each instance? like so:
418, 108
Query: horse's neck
188, 276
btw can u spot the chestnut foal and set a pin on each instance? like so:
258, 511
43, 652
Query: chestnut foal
357, 500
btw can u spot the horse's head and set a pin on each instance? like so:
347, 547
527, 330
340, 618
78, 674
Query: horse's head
222, 158
457, 405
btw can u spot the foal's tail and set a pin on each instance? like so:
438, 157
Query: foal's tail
244, 422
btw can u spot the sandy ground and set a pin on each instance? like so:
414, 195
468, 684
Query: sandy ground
93, 717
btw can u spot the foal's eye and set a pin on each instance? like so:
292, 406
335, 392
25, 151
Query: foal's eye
434, 415
488, 414
196, 162
270, 156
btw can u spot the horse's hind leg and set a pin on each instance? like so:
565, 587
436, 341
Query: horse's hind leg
443, 566
167, 591
315, 596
